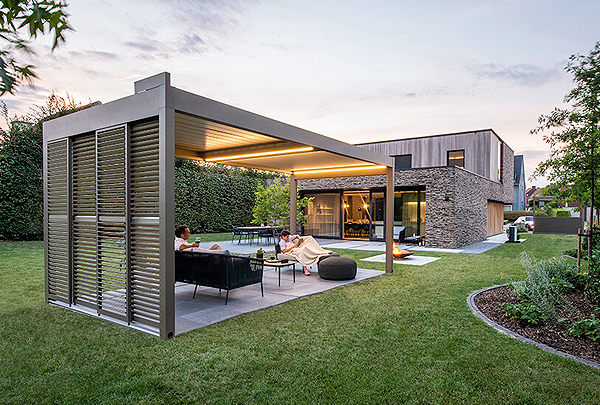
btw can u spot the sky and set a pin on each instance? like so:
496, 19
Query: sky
352, 70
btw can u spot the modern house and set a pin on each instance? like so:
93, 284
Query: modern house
449, 189
519, 194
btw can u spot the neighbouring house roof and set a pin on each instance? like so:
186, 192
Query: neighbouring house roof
533, 192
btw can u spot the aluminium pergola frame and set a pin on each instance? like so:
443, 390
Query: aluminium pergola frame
109, 192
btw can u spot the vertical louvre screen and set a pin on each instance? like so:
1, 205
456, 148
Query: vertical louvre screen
58, 223
144, 168
85, 285
111, 222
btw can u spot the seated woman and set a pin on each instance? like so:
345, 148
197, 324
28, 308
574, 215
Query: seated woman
304, 249
182, 233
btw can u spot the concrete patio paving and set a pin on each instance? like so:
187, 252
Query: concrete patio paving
209, 306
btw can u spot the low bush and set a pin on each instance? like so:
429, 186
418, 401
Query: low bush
588, 328
544, 284
512, 216
525, 312
592, 287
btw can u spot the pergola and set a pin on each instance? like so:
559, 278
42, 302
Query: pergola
109, 192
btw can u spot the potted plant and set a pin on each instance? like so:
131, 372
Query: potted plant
259, 253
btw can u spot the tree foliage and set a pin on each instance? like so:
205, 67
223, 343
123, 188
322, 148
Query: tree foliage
213, 198
20, 22
21, 169
273, 205
574, 133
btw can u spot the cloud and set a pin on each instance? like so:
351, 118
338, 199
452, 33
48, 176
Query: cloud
148, 46
522, 74
95, 55
192, 44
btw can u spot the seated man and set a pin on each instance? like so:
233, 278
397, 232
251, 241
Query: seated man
304, 249
182, 233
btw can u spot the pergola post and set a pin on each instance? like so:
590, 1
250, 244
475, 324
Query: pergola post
166, 124
389, 221
293, 204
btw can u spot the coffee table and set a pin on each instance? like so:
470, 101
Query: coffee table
278, 266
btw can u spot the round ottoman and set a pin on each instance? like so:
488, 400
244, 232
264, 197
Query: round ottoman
337, 268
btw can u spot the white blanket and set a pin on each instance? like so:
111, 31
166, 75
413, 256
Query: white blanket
308, 252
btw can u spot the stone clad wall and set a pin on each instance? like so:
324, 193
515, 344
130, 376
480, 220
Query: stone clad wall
448, 224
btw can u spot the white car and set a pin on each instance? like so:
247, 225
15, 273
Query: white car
527, 222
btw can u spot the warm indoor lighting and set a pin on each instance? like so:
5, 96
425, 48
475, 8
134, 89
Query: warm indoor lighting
340, 169
365, 206
261, 154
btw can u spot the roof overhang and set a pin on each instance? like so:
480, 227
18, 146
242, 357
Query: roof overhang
211, 131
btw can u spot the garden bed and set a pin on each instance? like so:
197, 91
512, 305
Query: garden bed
549, 332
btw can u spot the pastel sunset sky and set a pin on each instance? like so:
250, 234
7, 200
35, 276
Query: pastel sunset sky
352, 70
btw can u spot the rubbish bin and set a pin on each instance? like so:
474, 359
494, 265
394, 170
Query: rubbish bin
513, 236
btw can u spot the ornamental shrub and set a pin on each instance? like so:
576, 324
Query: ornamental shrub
545, 283
592, 287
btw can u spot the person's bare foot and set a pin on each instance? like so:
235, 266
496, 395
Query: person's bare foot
306, 272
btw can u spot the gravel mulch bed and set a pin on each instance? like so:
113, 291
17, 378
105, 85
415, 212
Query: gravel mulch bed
549, 332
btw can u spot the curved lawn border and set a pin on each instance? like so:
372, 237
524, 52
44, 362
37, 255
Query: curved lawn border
500, 328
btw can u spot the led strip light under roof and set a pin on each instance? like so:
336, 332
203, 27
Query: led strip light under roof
261, 154
340, 169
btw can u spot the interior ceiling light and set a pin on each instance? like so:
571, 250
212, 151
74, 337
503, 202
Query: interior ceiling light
340, 169
260, 154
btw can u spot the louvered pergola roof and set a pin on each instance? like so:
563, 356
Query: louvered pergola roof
124, 152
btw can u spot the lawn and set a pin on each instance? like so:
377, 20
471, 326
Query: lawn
407, 337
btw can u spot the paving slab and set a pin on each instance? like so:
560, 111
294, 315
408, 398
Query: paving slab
409, 260
208, 307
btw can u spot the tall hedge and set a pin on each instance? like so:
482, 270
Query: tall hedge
213, 198
21, 183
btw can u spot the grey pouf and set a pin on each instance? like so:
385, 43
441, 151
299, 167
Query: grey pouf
337, 268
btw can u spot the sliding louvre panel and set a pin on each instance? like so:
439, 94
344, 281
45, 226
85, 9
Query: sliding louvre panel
58, 265
111, 204
85, 276
145, 242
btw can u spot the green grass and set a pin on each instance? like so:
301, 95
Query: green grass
407, 337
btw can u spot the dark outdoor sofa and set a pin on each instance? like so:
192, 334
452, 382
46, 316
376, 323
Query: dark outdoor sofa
217, 269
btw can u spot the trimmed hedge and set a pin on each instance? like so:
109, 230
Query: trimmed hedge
21, 183
513, 215
212, 198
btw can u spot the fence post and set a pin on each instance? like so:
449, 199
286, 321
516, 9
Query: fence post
578, 250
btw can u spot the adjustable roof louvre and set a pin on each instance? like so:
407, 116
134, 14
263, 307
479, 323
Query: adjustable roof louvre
144, 227
85, 277
58, 266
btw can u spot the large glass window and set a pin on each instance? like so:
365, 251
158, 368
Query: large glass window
323, 215
456, 158
409, 211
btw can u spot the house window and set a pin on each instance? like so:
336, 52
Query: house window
456, 158
402, 162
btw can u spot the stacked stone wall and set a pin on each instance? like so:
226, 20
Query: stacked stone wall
455, 199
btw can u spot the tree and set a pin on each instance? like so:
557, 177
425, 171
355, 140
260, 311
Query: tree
19, 18
21, 169
273, 205
574, 135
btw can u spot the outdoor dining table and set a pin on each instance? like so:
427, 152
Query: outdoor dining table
256, 230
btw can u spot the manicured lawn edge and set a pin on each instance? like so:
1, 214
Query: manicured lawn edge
502, 329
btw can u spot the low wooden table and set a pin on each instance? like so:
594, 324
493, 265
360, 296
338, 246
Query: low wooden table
278, 266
